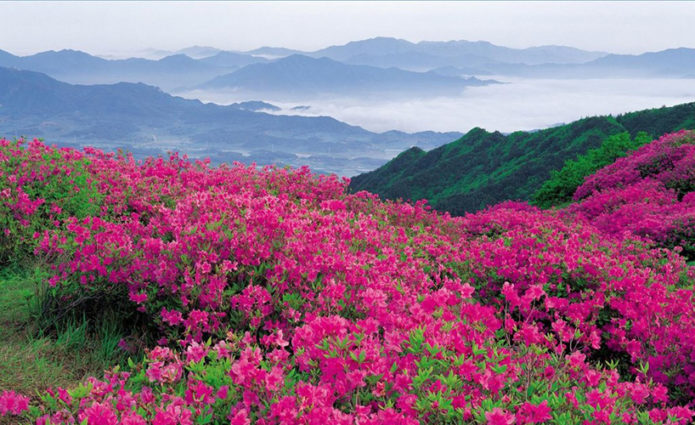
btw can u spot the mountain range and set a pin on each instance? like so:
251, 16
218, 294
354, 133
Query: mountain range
426, 55
148, 121
114, 103
372, 51
299, 75
199, 65
168, 73
670, 63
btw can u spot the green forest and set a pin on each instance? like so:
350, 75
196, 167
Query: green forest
483, 168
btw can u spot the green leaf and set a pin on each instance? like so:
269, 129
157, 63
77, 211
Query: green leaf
499, 369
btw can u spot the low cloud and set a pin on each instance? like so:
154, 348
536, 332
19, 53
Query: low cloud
520, 104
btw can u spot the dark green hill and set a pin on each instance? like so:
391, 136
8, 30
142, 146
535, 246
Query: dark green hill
483, 168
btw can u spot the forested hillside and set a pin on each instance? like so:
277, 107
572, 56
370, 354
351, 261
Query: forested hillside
483, 168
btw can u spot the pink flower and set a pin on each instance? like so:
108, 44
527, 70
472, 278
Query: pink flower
172, 317
132, 418
534, 414
199, 393
138, 298
639, 393
99, 414
576, 360
274, 379
154, 371
64, 396
467, 290
240, 418
223, 392
195, 352
499, 417
13, 403
660, 394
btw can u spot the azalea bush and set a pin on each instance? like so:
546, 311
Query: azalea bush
649, 193
275, 297
39, 187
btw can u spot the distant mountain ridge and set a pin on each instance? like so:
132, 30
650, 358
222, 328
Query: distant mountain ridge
231, 60
483, 168
170, 72
298, 74
670, 63
181, 70
384, 51
148, 121
274, 52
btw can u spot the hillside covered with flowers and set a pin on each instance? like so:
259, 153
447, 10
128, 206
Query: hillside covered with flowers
274, 296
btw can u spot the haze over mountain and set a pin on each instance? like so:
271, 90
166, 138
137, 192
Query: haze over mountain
231, 59
145, 120
289, 70
199, 52
299, 75
168, 73
484, 58
389, 76
670, 63
426, 55
256, 106
274, 52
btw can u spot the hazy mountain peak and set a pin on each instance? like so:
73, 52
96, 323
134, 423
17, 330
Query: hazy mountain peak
299, 58
180, 57
65, 53
270, 52
378, 41
300, 75
457, 43
370, 46
427, 55
199, 52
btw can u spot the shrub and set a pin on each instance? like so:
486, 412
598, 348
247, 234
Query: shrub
278, 298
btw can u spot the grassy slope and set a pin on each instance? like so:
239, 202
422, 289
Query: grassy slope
31, 360
483, 168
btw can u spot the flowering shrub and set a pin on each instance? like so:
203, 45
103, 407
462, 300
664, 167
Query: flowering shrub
649, 193
39, 187
277, 298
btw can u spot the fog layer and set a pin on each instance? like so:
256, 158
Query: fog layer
520, 104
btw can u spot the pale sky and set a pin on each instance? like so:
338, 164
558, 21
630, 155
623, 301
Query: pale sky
128, 27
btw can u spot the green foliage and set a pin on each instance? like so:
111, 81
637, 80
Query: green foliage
66, 191
484, 168
560, 187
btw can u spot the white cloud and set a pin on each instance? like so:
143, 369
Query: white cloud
523, 104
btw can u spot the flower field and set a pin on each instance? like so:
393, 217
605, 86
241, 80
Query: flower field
274, 296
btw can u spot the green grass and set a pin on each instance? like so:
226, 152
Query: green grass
31, 358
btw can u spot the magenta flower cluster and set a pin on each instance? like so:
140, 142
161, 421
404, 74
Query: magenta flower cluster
279, 298
649, 193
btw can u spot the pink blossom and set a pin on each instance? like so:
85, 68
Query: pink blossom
13, 403
499, 417
99, 414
